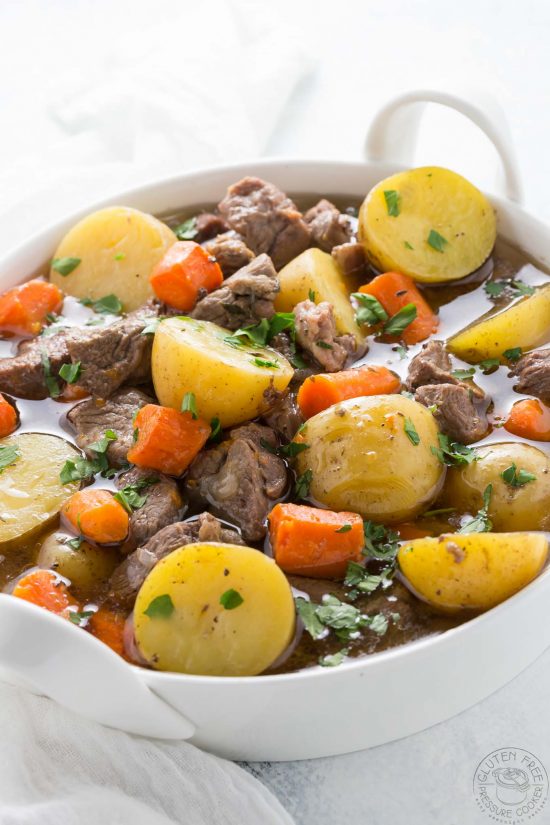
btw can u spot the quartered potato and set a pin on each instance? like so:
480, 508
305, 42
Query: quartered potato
518, 501
475, 571
31, 492
429, 223
361, 459
227, 379
316, 272
115, 251
214, 609
524, 324
85, 566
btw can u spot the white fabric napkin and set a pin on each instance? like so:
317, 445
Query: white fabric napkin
108, 95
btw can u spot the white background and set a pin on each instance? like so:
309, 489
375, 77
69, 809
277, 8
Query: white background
67, 138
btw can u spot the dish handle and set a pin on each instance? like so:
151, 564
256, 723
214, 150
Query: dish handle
50, 656
393, 132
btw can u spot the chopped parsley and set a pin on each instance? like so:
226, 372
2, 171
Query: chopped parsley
303, 483
120, 256
517, 478
65, 265
489, 364
370, 310
401, 351
70, 372
437, 241
216, 428
80, 617
523, 288
345, 528
261, 362
410, 431
293, 449
130, 497
464, 374
311, 295
311, 622
161, 607
187, 230
361, 580
108, 305
323, 344
513, 354
189, 404
381, 542
231, 599
334, 659
51, 382
496, 288
152, 327
392, 198
75, 543
480, 523
82, 469
8, 456
401, 320
453, 454
407, 245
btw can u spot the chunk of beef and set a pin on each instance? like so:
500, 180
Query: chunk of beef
24, 375
163, 505
432, 365
208, 225
351, 259
457, 415
533, 371
286, 347
240, 479
230, 251
267, 220
130, 575
91, 418
283, 415
245, 298
329, 228
316, 333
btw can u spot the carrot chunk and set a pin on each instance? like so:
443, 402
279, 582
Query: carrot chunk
529, 418
307, 541
167, 440
185, 269
23, 310
45, 589
109, 628
96, 515
8, 418
321, 391
394, 291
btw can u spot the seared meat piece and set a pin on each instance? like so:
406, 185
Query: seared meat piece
456, 413
267, 220
245, 298
208, 225
283, 415
130, 575
329, 228
240, 479
352, 259
284, 345
162, 507
533, 371
24, 375
91, 418
432, 365
316, 333
230, 251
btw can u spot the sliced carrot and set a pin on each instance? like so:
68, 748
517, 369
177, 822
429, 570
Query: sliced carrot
321, 391
96, 515
529, 418
394, 291
109, 628
8, 417
45, 589
23, 310
167, 440
307, 541
185, 269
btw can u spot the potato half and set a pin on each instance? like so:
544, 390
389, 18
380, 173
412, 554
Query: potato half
228, 380
85, 566
117, 249
475, 571
360, 457
520, 507
214, 609
31, 492
397, 227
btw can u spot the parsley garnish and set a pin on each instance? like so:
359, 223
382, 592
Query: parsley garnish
381, 543
513, 354
323, 344
411, 432
80, 617
50, 381
358, 577
452, 453
120, 256
494, 288
8, 456
345, 528
129, 496
370, 310
216, 428
279, 322
401, 351
293, 449
489, 364
392, 198
517, 478
161, 607
311, 295
261, 333
189, 404
407, 245
480, 523
65, 265
109, 304
231, 599
437, 241
306, 611
151, 328
334, 659
303, 483
187, 230
75, 543
401, 320
523, 288
70, 372
82, 469
261, 362
463, 374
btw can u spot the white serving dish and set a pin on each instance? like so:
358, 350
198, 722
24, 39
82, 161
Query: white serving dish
317, 712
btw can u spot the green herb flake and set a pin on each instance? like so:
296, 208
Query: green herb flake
324, 344
311, 295
130, 498
517, 478
381, 542
231, 599
8, 456
392, 198
261, 362
83, 469
464, 374
522, 288
513, 354
345, 528
51, 382
480, 523
65, 265
189, 404
120, 256
494, 288
80, 617
411, 432
216, 428
378, 623
489, 364
437, 241
108, 305
453, 454
370, 310
293, 449
151, 328
75, 543
187, 230
334, 659
401, 351
407, 245
70, 372
311, 622
161, 607
401, 320
281, 322
303, 483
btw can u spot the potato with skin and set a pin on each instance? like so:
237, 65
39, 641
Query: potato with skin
114, 250
360, 457
31, 492
316, 272
85, 566
399, 216
228, 380
513, 506
475, 571
214, 609
525, 324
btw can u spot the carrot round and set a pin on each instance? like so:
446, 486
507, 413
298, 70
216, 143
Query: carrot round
185, 269
321, 391
96, 515
109, 628
23, 310
394, 291
529, 418
307, 541
8, 418
45, 589
167, 440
